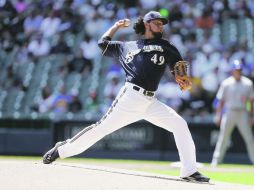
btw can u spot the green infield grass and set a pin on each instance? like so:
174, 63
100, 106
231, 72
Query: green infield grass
233, 173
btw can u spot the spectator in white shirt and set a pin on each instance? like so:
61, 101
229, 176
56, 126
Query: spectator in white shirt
32, 23
39, 46
46, 103
89, 48
50, 24
111, 89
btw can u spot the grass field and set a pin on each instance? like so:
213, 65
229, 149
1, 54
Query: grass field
233, 173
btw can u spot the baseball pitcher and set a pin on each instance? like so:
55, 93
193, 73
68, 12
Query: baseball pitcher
144, 62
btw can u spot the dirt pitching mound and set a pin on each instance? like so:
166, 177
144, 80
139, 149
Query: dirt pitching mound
24, 175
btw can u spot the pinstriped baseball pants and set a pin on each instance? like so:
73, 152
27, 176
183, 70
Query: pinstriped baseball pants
131, 106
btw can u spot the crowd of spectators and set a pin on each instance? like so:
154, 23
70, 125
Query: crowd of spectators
34, 29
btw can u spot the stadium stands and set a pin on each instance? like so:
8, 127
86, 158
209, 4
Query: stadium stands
209, 34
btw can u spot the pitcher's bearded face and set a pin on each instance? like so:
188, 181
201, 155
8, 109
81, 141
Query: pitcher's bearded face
156, 28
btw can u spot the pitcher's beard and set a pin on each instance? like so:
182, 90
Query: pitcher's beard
157, 35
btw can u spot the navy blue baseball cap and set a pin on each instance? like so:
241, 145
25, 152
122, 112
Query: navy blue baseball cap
154, 15
237, 65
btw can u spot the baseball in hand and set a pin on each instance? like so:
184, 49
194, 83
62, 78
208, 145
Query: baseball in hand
127, 22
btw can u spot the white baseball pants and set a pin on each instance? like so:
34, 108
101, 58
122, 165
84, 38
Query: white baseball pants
231, 119
130, 106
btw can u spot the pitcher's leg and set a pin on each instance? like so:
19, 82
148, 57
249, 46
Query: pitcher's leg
186, 147
163, 116
92, 134
117, 117
246, 132
127, 108
226, 128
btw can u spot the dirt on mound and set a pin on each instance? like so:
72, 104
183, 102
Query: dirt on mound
24, 175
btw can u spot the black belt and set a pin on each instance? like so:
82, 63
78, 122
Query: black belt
145, 92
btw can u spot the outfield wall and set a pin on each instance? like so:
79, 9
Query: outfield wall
140, 140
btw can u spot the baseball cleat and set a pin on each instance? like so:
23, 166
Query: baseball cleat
52, 154
196, 177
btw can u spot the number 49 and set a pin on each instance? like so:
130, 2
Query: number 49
157, 61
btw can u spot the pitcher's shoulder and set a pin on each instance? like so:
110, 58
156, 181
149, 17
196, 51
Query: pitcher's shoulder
168, 44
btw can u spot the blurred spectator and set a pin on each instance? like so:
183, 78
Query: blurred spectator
20, 6
61, 102
176, 39
206, 21
79, 64
50, 24
115, 68
96, 25
12, 79
112, 87
175, 14
92, 103
169, 93
22, 55
7, 14
63, 69
196, 104
89, 48
75, 106
7, 42
61, 46
66, 22
210, 81
39, 46
86, 10
32, 23
46, 103
148, 4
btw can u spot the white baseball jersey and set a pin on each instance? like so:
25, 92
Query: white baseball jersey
236, 93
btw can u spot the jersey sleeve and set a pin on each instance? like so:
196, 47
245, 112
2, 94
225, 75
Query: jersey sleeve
110, 48
173, 56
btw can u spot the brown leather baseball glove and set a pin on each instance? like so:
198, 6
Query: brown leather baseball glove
181, 75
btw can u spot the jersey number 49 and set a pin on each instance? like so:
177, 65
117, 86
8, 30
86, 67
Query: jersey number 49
158, 60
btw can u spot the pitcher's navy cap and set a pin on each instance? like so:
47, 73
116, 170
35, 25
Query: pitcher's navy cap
153, 15
237, 65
